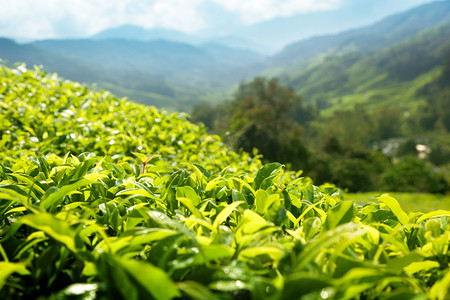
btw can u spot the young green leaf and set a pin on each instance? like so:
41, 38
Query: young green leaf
395, 207
55, 228
8, 268
339, 214
266, 172
136, 279
223, 215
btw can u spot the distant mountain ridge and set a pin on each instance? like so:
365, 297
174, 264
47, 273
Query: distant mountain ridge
401, 62
132, 32
371, 38
159, 72
266, 37
174, 60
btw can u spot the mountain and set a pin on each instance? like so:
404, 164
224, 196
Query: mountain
178, 62
266, 37
13, 52
367, 39
132, 32
359, 73
273, 35
393, 61
163, 73
136, 33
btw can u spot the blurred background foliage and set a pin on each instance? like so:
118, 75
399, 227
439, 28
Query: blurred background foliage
358, 149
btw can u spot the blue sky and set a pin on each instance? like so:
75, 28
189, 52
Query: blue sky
33, 19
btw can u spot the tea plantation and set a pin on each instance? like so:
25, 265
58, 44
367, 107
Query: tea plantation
101, 198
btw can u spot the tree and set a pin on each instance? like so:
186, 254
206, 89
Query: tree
353, 174
353, 128
407, 148
205, 113
269, 117
435, 114
387, 120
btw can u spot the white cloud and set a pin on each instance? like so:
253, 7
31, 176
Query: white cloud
174, 14
55, 18
78, 18
254, 11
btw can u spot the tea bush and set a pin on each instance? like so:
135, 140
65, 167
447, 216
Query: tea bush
101, 198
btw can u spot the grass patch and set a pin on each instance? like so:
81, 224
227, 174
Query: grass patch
409, 201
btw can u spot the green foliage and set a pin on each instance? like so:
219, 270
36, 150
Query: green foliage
267, 116
435, 113
43, 115
369, 92
265, 235
353, 174
348, 166
407, 148
412, 175
205, 113
112, 221
440, 151
410, 201
263, 115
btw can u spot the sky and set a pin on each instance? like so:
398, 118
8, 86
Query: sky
44, 19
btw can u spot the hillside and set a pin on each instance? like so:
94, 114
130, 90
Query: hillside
161, 73
136, 33
392, 75
173, 60
369, 39
154, 87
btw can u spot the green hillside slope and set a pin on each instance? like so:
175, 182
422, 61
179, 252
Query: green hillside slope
373, 38
43, 115
166, 74
395, 74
